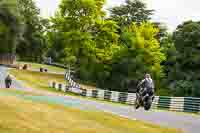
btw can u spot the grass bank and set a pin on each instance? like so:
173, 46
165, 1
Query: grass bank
26, 116
36, 79
44, 78
37, 66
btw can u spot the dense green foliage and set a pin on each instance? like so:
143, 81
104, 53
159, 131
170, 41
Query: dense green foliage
22, 29
131, 11
9, 26
138, 44
185, 74
112, 52
32, 45
100, 54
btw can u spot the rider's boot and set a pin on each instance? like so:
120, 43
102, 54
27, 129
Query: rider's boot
137, 106
153, 98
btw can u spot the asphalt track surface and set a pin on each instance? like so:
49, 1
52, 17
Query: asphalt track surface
188, 123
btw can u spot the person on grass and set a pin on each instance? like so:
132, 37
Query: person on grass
8, 81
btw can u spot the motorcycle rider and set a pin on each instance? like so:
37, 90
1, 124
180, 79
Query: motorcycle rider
148, 85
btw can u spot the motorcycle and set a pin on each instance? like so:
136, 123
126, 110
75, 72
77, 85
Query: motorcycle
144, 99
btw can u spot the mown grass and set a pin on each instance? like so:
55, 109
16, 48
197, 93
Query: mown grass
44, 78
36, 79
26, 116
37, 66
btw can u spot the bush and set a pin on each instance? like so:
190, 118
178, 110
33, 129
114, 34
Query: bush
183, 88
164, 92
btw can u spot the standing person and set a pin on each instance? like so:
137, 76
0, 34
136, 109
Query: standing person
8, 81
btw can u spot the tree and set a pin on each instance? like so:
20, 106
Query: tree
107, 43
78, 14
131, 11
76, 21
98, 52
162, 35
87, 39
9, 26
138, 45
169, 49
186, 39
33, 44
56, 46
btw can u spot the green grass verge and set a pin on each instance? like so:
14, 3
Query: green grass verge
37, 66
38, 80
14, 92
26, 116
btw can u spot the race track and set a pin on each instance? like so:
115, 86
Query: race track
187, 122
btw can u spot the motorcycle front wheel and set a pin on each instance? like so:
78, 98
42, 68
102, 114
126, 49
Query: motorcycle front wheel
147, 105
